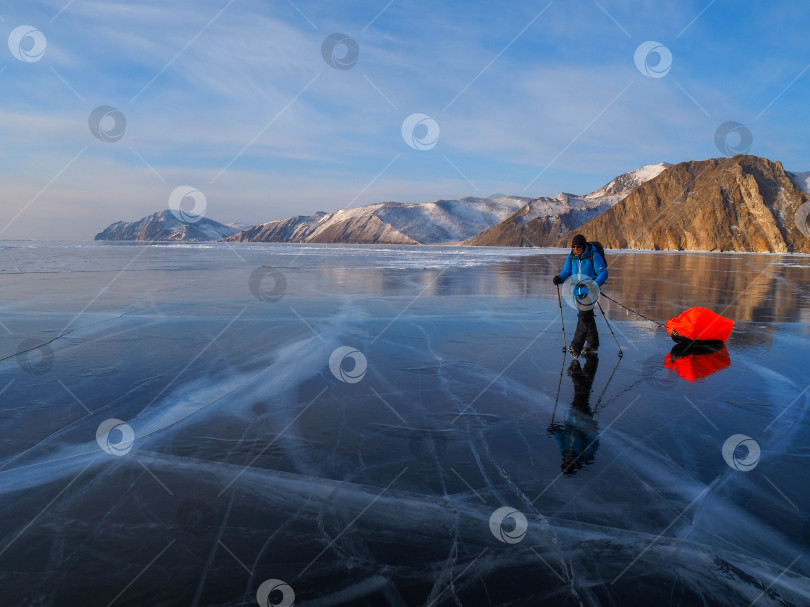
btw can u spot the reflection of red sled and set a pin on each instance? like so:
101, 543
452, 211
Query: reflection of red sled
694, 363
699, 326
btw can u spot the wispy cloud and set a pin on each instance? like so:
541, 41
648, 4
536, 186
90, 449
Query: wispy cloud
219, 73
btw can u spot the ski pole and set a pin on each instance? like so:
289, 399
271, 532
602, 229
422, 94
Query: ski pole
557, 399
559, 302
609, 327
610, 379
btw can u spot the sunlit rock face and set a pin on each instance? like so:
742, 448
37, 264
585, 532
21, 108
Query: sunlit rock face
744, 203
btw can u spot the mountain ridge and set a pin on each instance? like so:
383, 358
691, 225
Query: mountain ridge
544, 220
436, 222
442, 221
743, 203
166, 226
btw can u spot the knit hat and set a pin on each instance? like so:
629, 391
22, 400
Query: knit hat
579, 240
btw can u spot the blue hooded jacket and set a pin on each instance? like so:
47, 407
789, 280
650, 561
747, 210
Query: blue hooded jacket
581, 264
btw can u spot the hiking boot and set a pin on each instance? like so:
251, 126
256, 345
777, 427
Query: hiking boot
573, 351
589, 351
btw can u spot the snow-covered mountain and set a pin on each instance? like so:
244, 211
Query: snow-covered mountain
801, 180
544, 220
437, 222
440, 221
622, 185
165, 226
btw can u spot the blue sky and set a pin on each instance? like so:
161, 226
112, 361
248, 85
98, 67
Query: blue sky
235, 98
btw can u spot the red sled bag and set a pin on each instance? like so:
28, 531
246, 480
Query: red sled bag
699, 325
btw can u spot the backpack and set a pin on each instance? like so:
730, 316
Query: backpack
599, 249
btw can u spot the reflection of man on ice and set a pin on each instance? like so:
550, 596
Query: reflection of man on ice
585, 264
578, 437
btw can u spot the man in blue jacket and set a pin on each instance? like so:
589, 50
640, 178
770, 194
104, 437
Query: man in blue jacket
586, 265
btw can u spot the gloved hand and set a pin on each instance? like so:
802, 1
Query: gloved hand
557, 280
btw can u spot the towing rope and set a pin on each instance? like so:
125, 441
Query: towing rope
660, 324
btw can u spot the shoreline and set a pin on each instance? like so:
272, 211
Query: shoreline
373, 246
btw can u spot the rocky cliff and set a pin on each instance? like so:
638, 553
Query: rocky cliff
164, 226
744, 203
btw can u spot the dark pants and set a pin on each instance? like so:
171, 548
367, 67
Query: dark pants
586, 330
583, 382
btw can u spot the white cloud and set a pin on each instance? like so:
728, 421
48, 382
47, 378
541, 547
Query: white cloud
249, 67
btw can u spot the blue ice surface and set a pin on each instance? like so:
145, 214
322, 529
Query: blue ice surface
350, 420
